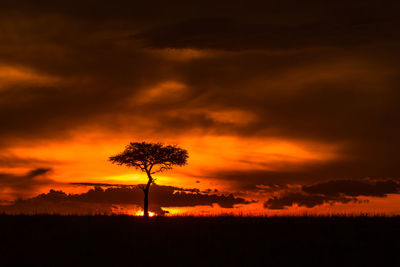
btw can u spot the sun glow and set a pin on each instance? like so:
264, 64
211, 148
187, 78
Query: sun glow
141, 213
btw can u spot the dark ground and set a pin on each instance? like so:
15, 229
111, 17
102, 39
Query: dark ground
218, 241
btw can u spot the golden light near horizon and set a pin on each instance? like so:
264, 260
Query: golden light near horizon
141, 213
88, 158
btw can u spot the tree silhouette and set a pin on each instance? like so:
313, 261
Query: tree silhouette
150, 158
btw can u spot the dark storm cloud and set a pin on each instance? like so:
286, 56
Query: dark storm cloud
102, 185
230, 34
100, 200
107, 185
51, 111
320, 72
166, 196
23, 185
303, 200
38, 172
336, 191
354, 188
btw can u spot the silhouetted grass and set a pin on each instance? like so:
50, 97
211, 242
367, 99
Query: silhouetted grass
192, 241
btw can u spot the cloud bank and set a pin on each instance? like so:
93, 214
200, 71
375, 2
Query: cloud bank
331, 192
98, 200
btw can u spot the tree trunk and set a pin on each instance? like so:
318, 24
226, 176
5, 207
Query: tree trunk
146, 203
146, 198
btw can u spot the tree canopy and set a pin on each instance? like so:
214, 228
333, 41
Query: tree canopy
151, 157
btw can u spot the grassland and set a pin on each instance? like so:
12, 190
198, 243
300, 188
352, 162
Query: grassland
200, 241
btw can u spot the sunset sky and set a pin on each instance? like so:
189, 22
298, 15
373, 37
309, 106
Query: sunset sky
290, 106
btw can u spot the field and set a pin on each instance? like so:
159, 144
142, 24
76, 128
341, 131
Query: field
193, 241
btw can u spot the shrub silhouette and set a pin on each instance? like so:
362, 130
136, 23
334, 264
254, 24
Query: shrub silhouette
150, 158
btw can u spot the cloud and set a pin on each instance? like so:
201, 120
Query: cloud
107, 185
103, 201
228, 33
14, 186
12, 161
336, 191
354, 188
102, 185
163, 196
37, 172
303, 200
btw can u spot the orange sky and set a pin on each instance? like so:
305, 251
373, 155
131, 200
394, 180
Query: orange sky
84, 158
289, 111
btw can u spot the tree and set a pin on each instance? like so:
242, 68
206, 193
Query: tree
150, 158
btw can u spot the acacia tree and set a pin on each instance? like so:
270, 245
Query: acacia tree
150, 158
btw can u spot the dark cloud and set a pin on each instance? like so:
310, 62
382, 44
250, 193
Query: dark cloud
14, 186
102, 201
271, 34
102, 185
354, 188
162, 196
303, 200
37, 172
337, 191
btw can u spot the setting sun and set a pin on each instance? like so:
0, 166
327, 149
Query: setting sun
141, 213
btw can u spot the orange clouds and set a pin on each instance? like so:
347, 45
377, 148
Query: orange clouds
161, 92
23, 76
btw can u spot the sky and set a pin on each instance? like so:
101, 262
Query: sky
285, 107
